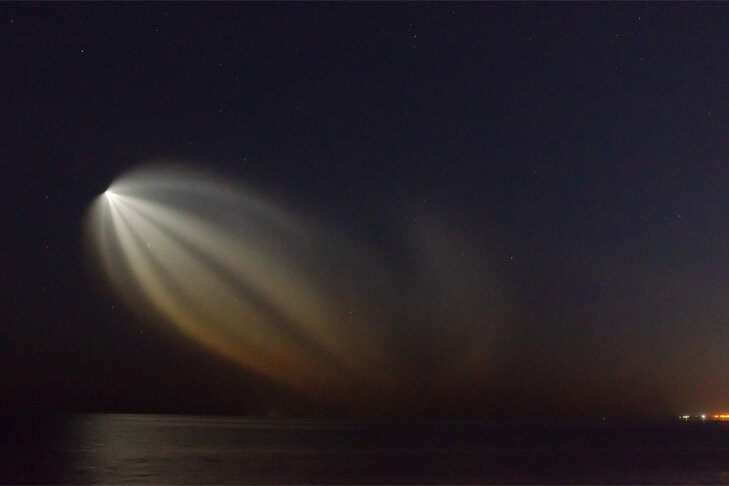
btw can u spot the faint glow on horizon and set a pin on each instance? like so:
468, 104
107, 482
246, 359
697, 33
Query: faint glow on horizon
703, 416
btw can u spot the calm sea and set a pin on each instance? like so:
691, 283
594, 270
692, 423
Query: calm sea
164, 449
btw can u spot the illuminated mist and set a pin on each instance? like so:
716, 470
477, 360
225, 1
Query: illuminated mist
284, 296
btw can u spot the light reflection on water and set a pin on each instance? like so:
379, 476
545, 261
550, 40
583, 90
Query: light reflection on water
157, 449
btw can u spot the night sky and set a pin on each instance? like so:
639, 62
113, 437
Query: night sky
543, 186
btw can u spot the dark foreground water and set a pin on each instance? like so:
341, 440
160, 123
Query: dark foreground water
183, 449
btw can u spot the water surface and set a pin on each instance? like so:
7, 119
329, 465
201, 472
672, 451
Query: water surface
164, 449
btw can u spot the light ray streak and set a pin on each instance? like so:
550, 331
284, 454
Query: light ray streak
210, 299
308, 308
226, 283
223, 287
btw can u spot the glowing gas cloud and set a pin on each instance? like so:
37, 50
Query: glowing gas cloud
282, 295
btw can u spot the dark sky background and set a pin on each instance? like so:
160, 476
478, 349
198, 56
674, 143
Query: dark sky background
586, 144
